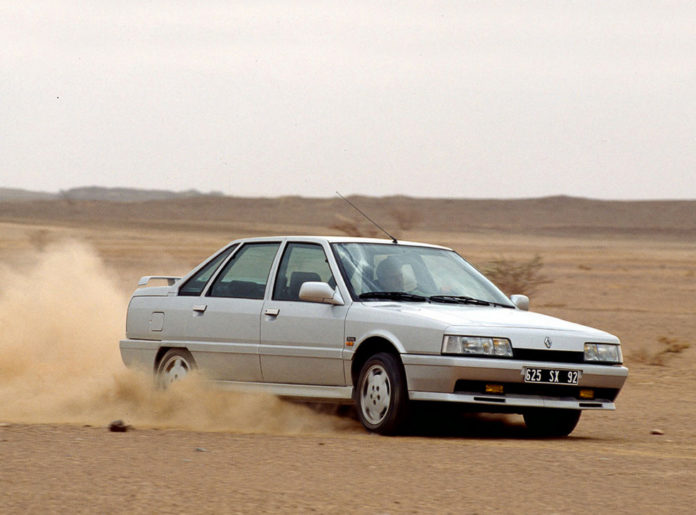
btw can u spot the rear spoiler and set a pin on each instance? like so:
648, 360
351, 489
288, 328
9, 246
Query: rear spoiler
171, 280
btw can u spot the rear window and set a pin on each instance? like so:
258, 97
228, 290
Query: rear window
195, 285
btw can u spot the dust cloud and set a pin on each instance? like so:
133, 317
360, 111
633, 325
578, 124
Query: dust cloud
61, 317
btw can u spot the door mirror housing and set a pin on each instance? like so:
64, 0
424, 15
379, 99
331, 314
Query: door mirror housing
521, 301
320, 292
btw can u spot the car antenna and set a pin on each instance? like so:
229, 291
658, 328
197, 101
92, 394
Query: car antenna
370, 219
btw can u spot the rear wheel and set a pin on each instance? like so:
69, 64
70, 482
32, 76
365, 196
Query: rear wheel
551, 422
174, 365
381, 394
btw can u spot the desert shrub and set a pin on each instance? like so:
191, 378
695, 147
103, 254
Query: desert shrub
405, 218
516, 277
350, 227
39, 239
666, 347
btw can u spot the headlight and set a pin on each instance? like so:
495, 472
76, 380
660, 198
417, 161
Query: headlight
477, 345
603, 352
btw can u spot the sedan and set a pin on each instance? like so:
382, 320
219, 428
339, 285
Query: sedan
375, 323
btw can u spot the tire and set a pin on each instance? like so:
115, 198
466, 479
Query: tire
551, 422
381, 397
174, 366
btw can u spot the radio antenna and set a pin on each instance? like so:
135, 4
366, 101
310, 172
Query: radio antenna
370, 219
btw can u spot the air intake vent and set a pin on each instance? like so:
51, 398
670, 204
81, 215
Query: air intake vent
544, 390
550, 356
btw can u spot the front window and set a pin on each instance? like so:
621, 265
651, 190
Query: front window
302, 262
422, 271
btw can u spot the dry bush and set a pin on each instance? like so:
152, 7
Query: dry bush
39, 239
516, 277
405, 218
66, 197
668, 346
352, 228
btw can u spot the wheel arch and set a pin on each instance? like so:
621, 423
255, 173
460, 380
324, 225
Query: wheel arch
163, 350
158, 357
370, 347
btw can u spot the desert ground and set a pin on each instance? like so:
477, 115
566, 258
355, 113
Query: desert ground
68, 266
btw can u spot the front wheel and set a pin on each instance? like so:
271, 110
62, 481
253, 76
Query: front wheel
551, 422
381, 395
174, 366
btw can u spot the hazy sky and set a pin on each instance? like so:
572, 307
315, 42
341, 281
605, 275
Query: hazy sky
450, 98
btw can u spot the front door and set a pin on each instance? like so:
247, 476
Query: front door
302, 342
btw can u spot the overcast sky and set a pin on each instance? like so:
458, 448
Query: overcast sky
451, 98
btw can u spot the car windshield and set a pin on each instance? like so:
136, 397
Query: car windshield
382, 271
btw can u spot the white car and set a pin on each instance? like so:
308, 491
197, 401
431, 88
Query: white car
373, 322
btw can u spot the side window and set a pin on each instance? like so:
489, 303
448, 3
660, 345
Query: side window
246, 274
194, 286
302, 262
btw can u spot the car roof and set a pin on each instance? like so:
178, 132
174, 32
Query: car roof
336, 239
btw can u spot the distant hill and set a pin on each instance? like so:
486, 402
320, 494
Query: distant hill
17, 194
129, 194
554, 216
100, 193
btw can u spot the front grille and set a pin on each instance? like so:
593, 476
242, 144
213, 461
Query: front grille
551, 356
546, 390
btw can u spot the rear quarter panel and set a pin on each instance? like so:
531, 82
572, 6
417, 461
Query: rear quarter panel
157, 318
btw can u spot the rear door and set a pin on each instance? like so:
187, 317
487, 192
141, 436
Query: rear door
223, 328
302, 342
168, 313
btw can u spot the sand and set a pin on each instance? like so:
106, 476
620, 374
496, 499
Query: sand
67, 270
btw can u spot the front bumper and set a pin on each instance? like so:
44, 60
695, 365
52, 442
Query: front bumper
456, 379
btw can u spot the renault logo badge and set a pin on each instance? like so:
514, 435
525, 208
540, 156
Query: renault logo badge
548, 342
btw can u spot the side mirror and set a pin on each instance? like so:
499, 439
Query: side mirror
521, 301
320, 292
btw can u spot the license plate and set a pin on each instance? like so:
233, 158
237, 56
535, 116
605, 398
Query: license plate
551, 376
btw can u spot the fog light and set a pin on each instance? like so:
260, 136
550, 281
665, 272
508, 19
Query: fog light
494, 388
587, 394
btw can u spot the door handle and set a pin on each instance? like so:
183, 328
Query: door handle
271, 312
200, 307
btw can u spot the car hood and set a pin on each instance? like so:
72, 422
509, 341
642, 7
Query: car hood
494, 321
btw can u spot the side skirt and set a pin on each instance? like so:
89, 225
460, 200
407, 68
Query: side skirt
341, 394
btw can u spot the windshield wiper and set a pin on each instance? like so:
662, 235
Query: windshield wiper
463, 299
392, 295
457, 299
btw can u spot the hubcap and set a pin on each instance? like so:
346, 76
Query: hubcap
375, 394
176, 368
